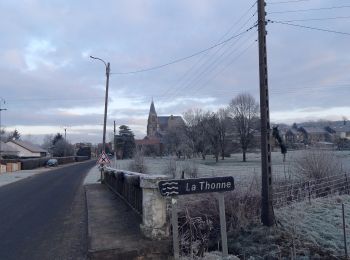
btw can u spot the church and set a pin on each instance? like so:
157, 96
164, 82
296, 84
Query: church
157, 128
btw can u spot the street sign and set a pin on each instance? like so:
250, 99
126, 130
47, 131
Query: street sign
103, 159
192, 186
175, 187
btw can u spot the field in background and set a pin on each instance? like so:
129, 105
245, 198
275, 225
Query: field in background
243, 172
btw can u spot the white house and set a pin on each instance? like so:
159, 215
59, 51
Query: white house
26, 149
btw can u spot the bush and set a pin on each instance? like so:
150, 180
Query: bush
199, 219
29, 164
316, 164
170, 168
190, 169
138, 163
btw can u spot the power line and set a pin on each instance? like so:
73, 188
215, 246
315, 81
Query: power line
287, 2
208, 69
201, 61
316, 19
310, 9
49, 99
309, 27
184, 58
225, 68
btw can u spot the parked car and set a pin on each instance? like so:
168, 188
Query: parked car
52, 162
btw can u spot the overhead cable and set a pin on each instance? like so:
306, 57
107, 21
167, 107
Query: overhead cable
310, 9
201, 62
309, 27
286, 2
315, 19
186, 57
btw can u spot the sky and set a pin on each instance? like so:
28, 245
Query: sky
48, 81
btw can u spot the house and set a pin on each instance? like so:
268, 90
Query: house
7, 151
312, 134
27, 149
293, 136
341, 131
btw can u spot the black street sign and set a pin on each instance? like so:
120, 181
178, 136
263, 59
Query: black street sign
193, 186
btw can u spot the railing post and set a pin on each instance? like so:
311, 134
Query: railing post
347, 183
154, 219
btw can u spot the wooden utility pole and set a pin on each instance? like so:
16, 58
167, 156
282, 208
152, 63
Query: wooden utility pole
267, 216
115, 147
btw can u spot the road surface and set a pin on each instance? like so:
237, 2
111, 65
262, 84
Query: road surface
44, 216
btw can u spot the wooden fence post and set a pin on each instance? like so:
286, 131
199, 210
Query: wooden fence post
344, 232
347, 183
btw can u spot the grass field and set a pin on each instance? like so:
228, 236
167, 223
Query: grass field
233, 166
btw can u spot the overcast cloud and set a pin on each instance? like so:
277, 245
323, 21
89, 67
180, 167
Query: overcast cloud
49, 82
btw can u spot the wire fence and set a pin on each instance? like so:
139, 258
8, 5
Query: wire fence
307, 190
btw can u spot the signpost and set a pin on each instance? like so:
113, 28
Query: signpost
173, 188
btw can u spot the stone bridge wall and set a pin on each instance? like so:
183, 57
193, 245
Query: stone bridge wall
141, 192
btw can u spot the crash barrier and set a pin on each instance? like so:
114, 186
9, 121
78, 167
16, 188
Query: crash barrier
140, 192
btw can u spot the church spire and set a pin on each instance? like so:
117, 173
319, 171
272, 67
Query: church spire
152, 124
152, 108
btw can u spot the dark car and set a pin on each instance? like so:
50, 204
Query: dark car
52, 162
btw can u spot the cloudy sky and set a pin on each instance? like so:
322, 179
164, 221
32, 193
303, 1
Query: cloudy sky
49, 82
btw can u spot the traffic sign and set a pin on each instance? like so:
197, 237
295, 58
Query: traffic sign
191, 186
103, 159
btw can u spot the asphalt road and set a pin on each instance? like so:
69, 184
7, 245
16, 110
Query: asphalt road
44, 216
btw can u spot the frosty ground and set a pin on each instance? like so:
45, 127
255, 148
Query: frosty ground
307, 230
233, 166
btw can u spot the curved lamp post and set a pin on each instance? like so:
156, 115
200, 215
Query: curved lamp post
107, 65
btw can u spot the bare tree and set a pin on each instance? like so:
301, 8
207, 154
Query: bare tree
195, 130
224, 122
212, 130
244, 111
176, 141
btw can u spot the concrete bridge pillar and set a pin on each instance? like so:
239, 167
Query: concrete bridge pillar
154, 218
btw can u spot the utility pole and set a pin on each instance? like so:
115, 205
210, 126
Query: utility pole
115, 148
65, 141
267, 215
106, 103
1, 109
108, 69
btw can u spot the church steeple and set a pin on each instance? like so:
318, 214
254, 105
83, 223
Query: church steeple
152, 123
152, 109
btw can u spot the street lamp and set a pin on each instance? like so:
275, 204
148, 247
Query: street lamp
1, 109
107, 65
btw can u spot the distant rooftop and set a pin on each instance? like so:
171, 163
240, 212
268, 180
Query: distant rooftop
6, 148
29, 146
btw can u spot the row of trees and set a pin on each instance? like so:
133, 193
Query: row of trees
14, 135
208, 132
57, 145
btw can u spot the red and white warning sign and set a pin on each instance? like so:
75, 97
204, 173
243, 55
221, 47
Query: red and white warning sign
103, 159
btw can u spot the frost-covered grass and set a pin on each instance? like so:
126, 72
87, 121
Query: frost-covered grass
233, 166
311, 230
318, 222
